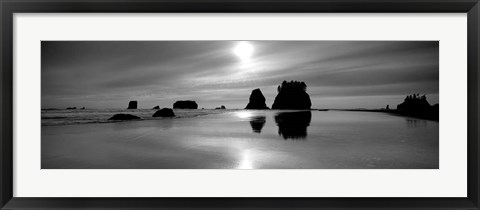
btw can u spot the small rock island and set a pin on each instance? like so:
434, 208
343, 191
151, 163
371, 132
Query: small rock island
257, 100
132, 105
185, 105
165, 112
221, 107
124, 117
292, 95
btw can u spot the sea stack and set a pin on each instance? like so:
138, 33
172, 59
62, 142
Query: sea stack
221, 107
132, 105
185, 105
257, 100
292, 95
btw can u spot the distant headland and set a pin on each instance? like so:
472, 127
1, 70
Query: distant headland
413, 105
417, 106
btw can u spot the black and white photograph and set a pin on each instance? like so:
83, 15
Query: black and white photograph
240, 104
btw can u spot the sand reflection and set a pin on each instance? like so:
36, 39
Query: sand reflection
293, 125
257, 123
246, 160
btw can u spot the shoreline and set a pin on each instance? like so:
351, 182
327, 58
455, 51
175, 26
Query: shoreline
59, 119
396, 112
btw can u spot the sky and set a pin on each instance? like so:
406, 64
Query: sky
338, 74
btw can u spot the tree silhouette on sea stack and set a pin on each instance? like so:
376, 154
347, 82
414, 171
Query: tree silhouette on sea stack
418, 106
292, 95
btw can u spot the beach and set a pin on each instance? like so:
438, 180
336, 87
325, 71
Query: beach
241, 139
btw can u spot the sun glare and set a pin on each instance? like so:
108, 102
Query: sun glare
244, 114
246, 161
243, 50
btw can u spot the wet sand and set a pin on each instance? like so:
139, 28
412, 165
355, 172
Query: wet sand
247, 140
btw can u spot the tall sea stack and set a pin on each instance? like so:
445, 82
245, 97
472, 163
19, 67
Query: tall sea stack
292, 95
257, 100
132, 105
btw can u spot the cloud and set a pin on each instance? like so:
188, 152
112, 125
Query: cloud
80, 73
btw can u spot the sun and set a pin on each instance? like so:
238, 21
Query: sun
244, 50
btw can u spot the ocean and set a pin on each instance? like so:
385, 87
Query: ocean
84, 116
238, 139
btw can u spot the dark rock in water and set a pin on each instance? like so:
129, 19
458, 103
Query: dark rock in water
257, 123
414, 103
185, 105
221, 107
293, 125
83, 108
257, 100
71, 107
156, 107
124, 117
292, 95
165, 112
132, 105
417, 106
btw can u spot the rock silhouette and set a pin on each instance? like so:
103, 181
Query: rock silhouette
417, 106
292, 95
414, 103
71, 107
165, 112
221, 107
132, 105
124, 117
257, 100
436, 107
156, 107
257, 123
185, 105
293, 125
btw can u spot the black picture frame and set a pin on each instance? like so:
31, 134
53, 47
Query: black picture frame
9, 7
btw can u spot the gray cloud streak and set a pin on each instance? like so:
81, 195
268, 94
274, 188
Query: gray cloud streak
339, 74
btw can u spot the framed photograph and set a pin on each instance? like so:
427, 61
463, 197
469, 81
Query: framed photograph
261, 104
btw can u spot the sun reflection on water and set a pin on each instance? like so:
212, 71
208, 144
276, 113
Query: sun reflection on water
244, 114
246, 161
